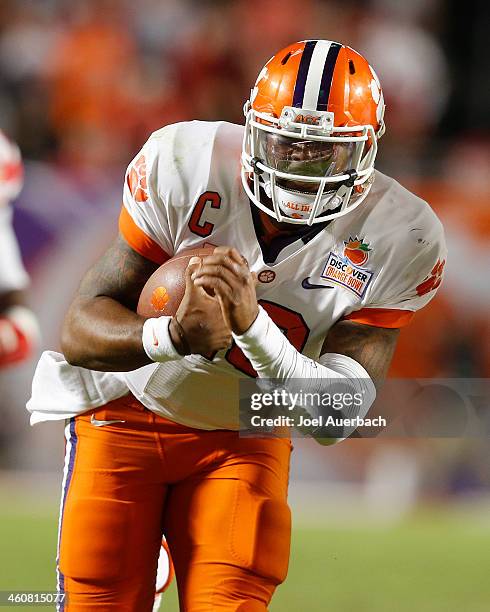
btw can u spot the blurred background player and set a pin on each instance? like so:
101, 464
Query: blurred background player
18, 326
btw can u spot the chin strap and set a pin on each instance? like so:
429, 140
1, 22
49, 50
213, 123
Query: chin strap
353, 175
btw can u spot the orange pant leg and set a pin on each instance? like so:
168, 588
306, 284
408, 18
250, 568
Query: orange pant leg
228, 524
111, 519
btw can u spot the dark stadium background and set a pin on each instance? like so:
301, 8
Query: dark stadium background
379, 525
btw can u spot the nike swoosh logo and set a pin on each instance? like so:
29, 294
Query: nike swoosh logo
307, 285
98, 423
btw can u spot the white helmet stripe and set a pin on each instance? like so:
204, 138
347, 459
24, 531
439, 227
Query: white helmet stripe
315, 73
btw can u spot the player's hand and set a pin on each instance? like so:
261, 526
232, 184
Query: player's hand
19, 335
198, 326
226, 274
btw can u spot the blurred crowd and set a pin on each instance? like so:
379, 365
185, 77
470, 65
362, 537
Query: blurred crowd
84, 82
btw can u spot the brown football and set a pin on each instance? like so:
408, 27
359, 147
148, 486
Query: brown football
164, 290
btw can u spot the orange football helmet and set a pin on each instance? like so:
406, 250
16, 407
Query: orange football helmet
312, 125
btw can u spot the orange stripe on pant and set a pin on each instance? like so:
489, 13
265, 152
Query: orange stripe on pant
219, 499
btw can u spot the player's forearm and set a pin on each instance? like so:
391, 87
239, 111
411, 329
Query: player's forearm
274, 357
101, 334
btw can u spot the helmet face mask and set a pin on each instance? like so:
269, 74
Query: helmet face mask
310, 167
304, 157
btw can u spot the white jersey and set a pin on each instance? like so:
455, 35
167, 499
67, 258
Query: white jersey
376, 265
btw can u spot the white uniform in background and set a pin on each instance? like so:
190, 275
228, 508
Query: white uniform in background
12, 273
19, 331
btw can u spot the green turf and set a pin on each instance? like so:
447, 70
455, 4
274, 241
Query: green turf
432, 563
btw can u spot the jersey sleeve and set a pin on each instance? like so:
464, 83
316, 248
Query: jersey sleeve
143, 221
412, 273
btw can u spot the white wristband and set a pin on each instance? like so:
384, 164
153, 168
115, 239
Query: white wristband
157, 342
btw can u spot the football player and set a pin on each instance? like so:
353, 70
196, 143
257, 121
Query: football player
18, 325
320, 260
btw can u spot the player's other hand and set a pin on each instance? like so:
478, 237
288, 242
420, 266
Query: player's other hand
19, 335
198, 326
226, 275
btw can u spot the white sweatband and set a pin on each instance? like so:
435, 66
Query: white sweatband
273, 356
157, 342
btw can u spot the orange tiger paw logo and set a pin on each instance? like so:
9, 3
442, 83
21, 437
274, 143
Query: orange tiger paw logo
433, 280
356, 250
160, 298
137, 180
